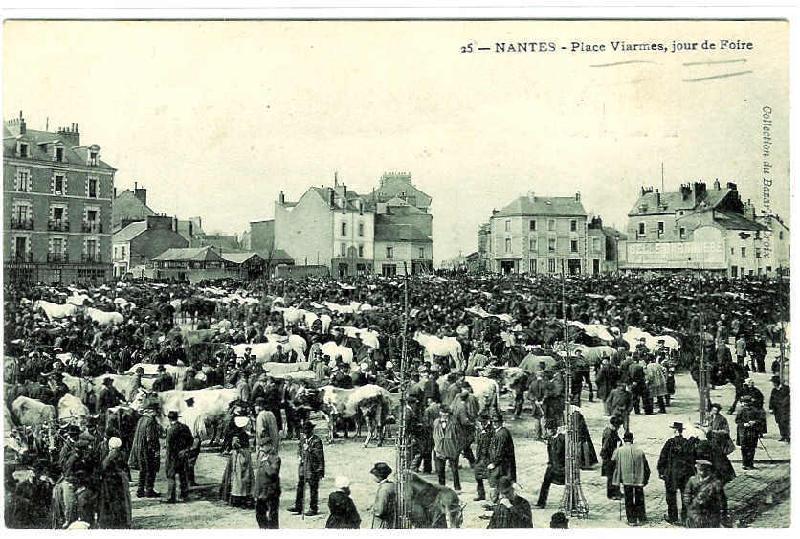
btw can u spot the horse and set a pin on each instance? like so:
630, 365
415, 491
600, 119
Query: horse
721, 374
431, 505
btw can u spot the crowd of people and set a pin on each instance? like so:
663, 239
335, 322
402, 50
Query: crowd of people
499, 322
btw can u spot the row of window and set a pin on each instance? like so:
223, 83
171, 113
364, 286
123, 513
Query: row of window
551, 225
119, 252
389, 251
24, 151
552, 245
23, 182
56, 249
641, 231
360, 230
22, 218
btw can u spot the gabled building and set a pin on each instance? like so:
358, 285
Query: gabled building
57, 201
398, 185
328, 226
141, 241
403, 239
539, 234
695, 228
130, 207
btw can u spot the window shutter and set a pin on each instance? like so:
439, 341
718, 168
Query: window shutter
16, 181
50, 245
87, 187
53, 184
65, 184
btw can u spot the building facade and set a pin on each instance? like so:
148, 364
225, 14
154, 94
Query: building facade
536, 234
58, 206
138, 243
775, 245
328, 226
697, 228
130, 206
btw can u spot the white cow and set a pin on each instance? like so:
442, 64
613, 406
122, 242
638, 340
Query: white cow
104, 318
263, 351
31, 412
79, 299
445, 346
291, 315
486, 390
71, 407
368, 337
296, 343
55, 311
310, 318
633, 335
192, 406
333, 350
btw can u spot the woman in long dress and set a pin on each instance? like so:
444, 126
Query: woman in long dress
237, 481
114, 507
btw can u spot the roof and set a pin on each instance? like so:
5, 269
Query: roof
735, 221
130, 231
536, 205
671, 202
127, 206
399, 232
239, 258
73, 155
189, 253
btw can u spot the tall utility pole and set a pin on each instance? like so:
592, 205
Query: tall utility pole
401, 513
574, 502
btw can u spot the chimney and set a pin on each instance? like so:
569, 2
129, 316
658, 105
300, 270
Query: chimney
344, 197
578, 196
731, 186
658, 199
532, 196
331, 197
335, 178
22, 127
717, 185
281, 198
699, 191
140, 194
686, 190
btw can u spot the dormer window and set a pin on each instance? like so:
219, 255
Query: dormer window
94, 156
23, 149
59, 157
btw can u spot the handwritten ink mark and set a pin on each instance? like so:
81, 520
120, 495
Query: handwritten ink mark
713, 62
723, 76
623, 63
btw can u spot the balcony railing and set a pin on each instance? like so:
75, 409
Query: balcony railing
92, 226
18, 223
58, 257
22, 257
91, 257
58, 225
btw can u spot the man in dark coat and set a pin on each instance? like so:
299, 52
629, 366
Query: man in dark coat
311, 469
145, 452
343, 512
638, 385
620, 403
606, 379
611, 441
108, 397
555, 463
502, 461
675, 467
779, 405
749, 389
179, 442
163, 381
751, 423
511, 511
267, 489
483, 442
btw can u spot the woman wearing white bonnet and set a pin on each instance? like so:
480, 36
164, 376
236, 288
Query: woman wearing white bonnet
342, 510
114, 443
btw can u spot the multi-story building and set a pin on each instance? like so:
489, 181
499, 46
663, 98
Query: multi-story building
775, 245
603, 246
141, 241
327, 226
58, 206
484, 247
695, 228
130, 207
536, 234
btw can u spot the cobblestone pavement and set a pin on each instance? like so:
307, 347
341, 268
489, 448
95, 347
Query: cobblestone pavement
351, 459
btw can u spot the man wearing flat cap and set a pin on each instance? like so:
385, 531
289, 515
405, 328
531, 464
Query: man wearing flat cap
179, 441
384, 507
706, 502
675, 467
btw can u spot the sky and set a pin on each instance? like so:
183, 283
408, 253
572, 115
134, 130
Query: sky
215, 118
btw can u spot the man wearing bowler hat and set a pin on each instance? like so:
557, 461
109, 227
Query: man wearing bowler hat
179, 442
751, 423
675, 467
310, 470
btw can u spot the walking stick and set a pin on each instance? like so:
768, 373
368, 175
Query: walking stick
764, 447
